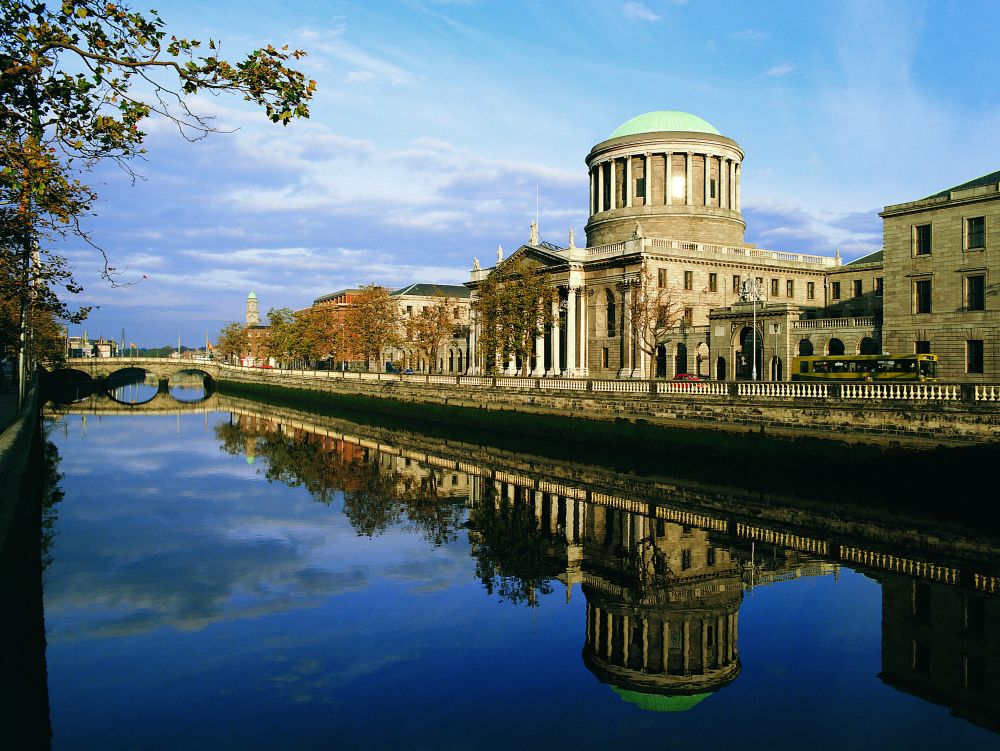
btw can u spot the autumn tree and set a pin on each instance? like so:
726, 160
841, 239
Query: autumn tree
430, 327
232, 342
284, 336
372, 323
513, 306
78, 78
655, 309
322, 333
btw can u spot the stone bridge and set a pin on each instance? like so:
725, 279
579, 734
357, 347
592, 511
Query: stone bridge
162, 403
162, 367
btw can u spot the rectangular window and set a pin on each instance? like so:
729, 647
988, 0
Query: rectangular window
685, 560
605, 358
688, 315
688, 280
975, 233
974, 356
922, 347
857, 288
736, 282
774, 288
811, 290
790, 288
640, 187
922, 296
661, 278
922, 240
975, 292
713, 282
835, 290
879, 288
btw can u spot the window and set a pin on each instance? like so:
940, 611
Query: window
975, 233
975, 292
922, 347
736, 282
685, 560
606, 358
713, 282
922, 240
760, 282
879, 288
611, 309
409, 310
774, 288
922, 296
688, 279
710, 558
661, 278
921, 600
790, 288
835, 290
688, 315
640, 187
711, 188
811, 290
974, 356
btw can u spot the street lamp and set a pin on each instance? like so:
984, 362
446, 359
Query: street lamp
752, 291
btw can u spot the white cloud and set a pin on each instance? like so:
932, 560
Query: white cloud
360, 76
780, 70
639, 12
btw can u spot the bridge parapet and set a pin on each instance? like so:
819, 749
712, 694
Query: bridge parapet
162, 367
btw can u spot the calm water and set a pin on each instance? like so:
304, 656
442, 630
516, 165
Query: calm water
226, 580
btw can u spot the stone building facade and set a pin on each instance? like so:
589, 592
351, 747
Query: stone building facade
665, 198
942, 276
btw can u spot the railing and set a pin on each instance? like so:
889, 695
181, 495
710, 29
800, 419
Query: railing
860, 322
765, 390
755, 253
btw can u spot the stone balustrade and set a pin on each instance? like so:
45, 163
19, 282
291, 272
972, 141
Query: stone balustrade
859, 322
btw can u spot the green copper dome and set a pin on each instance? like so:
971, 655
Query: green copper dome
654, 122
658, 703
251, 296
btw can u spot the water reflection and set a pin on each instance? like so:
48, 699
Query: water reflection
132, 386
189, 386
673, 577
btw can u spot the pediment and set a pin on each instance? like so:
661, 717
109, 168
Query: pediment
543, 256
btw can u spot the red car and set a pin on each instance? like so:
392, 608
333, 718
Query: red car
686, 377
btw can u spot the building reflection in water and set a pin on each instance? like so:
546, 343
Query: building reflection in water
663, 579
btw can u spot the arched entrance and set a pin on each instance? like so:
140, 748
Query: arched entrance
746, 357
805, 348
720, 369
836, 347
681, 359
775, 368
868, 346
661, 361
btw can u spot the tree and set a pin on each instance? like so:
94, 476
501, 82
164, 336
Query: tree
513, 305
372, 323
654, 310
430, 327
70, 79
284, 337
322, 333
232, 341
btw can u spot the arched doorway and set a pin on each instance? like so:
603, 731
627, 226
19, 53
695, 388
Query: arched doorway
720, 369
661, 361
681, 359
460, 370
702, 361
836, 347
805, 348
451, 361
746, 357
775, 368
868, 346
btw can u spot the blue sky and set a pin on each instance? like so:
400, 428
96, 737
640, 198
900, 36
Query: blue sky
435, 121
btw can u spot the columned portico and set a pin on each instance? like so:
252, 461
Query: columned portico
555, 367
572, 335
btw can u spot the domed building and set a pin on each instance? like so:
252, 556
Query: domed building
671, 171
666, 283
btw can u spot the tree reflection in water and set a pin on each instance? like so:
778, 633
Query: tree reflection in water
376, 496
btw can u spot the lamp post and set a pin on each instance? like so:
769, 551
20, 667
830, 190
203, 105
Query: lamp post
751, 291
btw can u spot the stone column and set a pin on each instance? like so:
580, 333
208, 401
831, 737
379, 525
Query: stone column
647, 180
686, 647
628, 182
470, 361
571, 332
668, 174
539, 370
614, 185
593, 190
556, 368
723, 202
708, 174
511, 365
626, 337
665, 646
704, 647
626, 634
584, 331
570, 532
736, 178
600, 187
688, 186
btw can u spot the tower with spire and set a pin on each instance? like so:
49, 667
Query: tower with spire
253, 312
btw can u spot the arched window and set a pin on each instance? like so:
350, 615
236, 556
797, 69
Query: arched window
775, 368
805, 348
720, 369
451, 361
460, 362
868, 346
612, 309
681, 360
661, 361
836, 347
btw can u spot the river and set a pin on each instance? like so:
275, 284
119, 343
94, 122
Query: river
252, 577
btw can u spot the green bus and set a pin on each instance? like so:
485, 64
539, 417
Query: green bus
922, 367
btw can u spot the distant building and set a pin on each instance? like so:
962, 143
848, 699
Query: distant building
256, 334
453, 353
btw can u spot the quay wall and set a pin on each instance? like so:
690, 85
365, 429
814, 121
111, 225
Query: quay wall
913, 415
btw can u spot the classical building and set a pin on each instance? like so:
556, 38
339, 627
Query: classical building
453, 353
664, 213
941, 278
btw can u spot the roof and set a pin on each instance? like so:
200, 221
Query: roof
991, 179
875, 257
664, 120
432, 290
659, 703
336, 294
251, 296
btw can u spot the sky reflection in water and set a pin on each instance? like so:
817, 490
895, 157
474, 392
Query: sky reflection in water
193, 604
